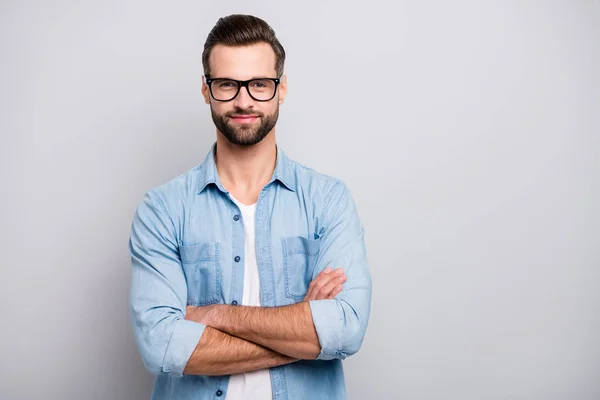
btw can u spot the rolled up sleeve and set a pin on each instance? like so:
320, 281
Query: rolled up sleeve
158, 294
341, 323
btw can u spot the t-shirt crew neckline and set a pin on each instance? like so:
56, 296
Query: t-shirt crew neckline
242, 205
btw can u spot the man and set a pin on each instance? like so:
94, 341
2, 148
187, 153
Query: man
249, 272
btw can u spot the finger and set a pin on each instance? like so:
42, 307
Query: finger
322, 275
311, 286
326, 290
324, 280
337, 290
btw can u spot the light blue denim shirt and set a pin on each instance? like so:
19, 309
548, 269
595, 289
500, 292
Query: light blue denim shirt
187, 248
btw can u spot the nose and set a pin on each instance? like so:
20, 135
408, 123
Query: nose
243, 99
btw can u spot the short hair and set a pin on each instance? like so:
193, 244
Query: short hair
242, 30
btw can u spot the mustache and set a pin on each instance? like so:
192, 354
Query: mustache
239, 111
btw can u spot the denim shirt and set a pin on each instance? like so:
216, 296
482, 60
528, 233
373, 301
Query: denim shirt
187, 248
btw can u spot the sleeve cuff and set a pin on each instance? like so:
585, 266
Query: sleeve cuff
327, 318
184, 340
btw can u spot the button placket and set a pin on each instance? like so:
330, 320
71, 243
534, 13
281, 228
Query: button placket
238, 246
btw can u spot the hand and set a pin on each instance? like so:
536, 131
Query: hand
198, 314
326, 285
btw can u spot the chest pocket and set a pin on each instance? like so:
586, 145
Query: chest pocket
202, 272
299, 260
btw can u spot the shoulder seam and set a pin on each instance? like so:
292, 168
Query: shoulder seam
330, 191
163, 207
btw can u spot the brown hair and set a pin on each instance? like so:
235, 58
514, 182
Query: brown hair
242, 30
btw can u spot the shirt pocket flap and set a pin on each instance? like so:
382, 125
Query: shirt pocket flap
201, 267
300, 245
194, 253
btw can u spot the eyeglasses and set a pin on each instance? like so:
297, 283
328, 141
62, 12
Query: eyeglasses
225, 89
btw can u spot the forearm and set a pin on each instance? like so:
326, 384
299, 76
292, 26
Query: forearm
287, 330
218, 353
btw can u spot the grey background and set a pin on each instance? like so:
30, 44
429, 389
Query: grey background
468, 133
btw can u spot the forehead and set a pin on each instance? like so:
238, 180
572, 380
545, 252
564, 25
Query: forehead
242, 62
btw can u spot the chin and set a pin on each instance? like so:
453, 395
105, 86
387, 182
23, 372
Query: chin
243, 140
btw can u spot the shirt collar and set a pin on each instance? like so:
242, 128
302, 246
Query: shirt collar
208, 174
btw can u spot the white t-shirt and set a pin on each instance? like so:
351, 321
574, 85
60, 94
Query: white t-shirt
255, 385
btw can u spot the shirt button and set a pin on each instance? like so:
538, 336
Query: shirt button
237, 259
236, 217
219, 393
234, 303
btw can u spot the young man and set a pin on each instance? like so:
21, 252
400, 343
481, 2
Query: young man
249, 272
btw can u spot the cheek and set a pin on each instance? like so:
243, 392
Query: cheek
220, 108
271, 108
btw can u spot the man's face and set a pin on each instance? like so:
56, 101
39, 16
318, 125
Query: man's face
243, 120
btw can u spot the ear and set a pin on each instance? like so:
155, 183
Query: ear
282, 89
205, 91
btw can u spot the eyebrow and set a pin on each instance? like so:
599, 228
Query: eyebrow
255, 77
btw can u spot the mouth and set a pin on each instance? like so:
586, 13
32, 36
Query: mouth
244, 119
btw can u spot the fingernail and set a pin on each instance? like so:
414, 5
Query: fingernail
327, 270
339, 271
341, 278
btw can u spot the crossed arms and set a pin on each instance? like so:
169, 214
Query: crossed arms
241, 339
219, 340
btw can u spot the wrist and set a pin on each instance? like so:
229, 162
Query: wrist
202, 314
211, 314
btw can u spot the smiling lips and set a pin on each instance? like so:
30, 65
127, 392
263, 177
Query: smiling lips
244, 119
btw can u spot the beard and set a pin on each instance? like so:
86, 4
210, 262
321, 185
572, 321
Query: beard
245, 135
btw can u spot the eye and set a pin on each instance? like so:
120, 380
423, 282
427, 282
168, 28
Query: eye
261, 84
227, 84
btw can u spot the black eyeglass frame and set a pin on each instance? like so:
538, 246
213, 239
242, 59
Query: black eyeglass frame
241, 84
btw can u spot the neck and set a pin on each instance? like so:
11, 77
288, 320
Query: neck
245, 170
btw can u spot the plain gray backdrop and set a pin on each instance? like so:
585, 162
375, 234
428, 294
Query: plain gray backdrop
467, 131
